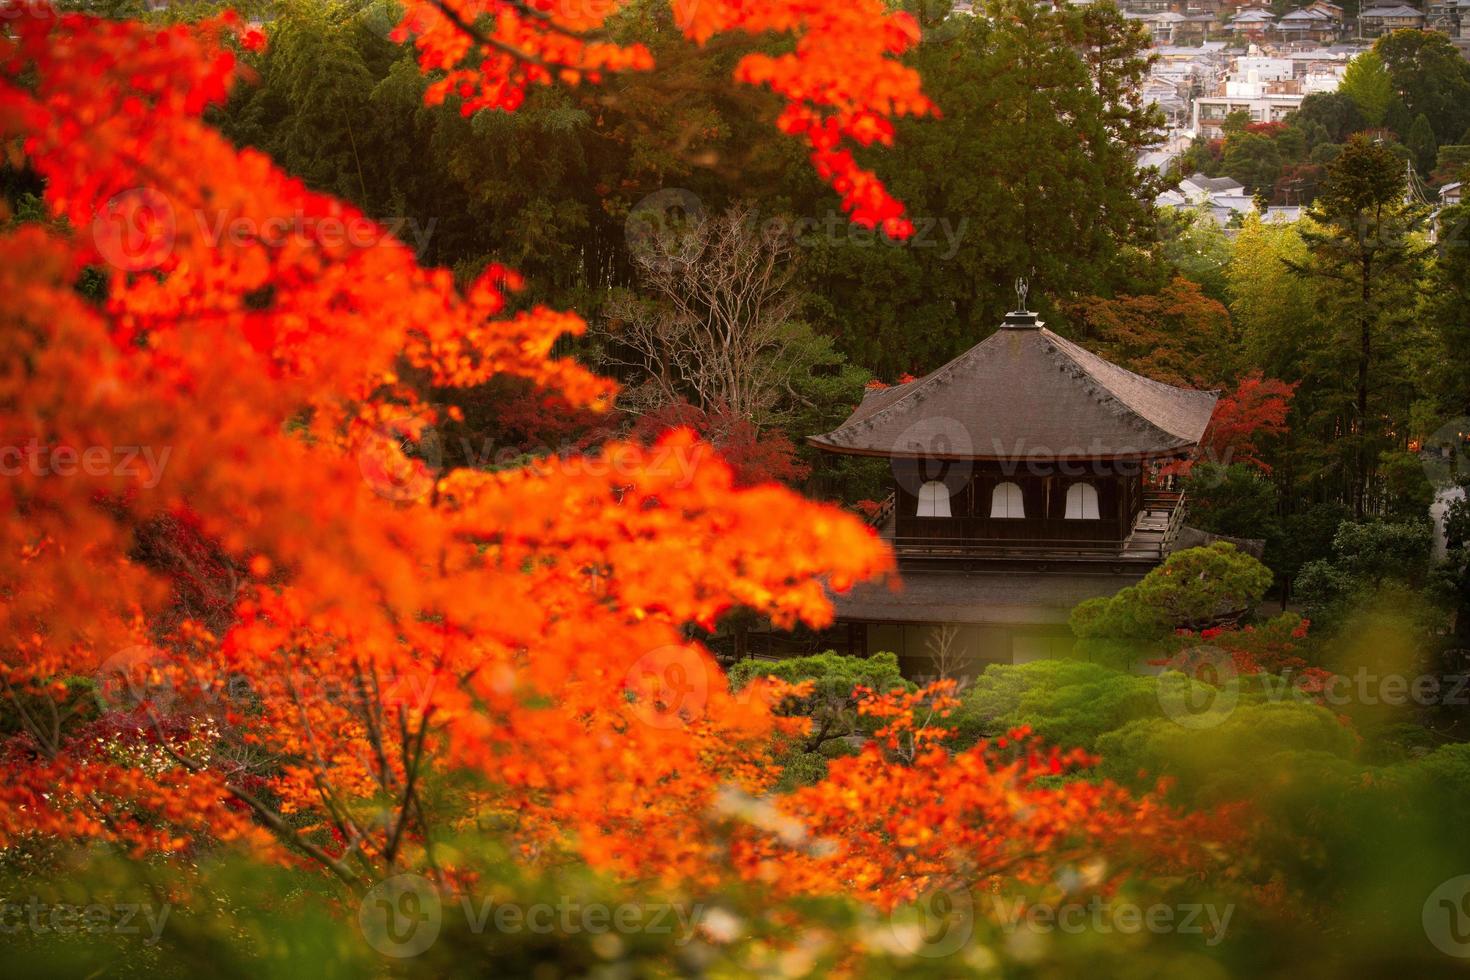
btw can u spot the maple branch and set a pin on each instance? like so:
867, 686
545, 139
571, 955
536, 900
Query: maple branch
483, 39
410, 783
270, 817
545, 18
373, 720
49, 747
348, 828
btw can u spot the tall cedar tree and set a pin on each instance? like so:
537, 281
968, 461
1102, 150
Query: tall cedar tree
1365, 243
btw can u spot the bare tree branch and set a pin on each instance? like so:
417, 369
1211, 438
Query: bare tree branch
717, 326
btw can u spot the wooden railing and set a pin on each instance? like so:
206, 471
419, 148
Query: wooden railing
965, 547
1143, 546
1176, 521
1165, 500
885, 509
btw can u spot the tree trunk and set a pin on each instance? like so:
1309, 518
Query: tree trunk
1365, 326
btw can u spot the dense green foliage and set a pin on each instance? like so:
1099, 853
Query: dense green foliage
831, 708
1040, 105
1067, 702
1192, 589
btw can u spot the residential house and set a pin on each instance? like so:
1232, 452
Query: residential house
1256, 99
1195, 28
1450, 17
1222, 198
1377, 21
1308, 24
1198, 188
1278, 214
1259, 68
1147, 6
1160, 25
1252, 25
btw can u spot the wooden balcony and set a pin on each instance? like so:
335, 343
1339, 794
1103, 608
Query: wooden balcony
1100, 548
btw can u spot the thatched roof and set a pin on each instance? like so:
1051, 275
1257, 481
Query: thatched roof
1025, 393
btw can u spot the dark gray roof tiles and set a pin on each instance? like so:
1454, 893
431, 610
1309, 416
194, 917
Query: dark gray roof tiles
1025, 392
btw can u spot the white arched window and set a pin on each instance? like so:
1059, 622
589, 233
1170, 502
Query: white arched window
1005, 501
1082, 502
933, 500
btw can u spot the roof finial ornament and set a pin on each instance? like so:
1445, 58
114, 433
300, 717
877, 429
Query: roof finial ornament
1022, 288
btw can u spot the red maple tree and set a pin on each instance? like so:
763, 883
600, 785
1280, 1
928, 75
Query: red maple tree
1257, 407
391, 649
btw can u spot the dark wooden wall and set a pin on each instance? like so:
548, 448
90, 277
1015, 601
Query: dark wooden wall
1044, 494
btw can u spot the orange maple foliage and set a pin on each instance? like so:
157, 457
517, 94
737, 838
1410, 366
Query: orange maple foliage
906, 816
517, 635
841, 83
1258, 407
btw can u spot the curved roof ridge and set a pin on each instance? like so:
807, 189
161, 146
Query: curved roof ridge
917, 385
1104, 394
1027, 388
1092, 367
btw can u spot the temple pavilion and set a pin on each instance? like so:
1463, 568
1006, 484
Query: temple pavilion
1024, 482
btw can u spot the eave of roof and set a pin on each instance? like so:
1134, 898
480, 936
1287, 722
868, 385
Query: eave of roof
1032, 394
